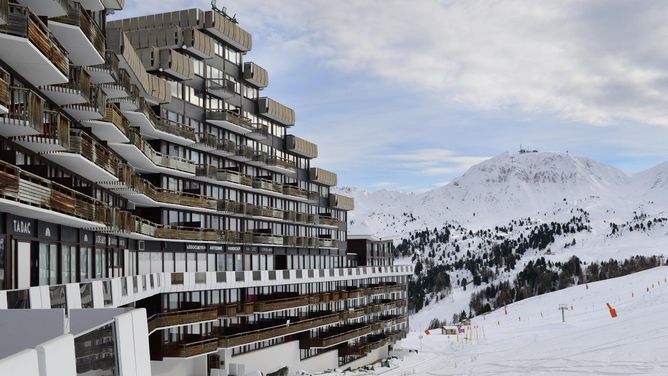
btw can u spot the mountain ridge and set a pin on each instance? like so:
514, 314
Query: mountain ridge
543, 185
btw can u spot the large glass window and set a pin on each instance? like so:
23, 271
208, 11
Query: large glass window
85, 263
48, 268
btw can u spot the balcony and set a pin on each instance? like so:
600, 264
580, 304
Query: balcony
273, 110
231, 206
229, 120
147, 228
92, 110
178, 66
113, 127
87, 158
221, 87
114, 81
341, 202
260, 157
181, 317
255, 75
22, 187
335, 335
224, 175
322, 176
76, 91
238, 335
281, 164
189, 345
267, 212
244, 153
328, 243
278, 301
225, 29
267, 239
27, 45
25, 113
187, 39
45, 8
301, 147
328, 221
153, 88
80, 35
267, 185
292, 190
143, 193
153, 127
259, 132
307, 242
55, 135
145, 159
226, 148
5, 98
114, 4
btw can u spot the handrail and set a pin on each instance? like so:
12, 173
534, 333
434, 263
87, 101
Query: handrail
77, 16
25, 24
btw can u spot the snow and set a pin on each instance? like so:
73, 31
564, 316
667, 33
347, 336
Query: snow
539, 185
529, 338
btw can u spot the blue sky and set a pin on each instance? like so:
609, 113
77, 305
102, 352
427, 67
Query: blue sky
407, 95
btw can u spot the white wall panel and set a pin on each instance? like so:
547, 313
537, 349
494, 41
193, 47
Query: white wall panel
56, 357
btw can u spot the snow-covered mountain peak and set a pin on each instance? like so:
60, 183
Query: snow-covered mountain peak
541, 185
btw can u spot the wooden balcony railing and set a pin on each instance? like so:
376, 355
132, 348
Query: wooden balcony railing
328, 243
26, 108
4, 86
142, 186
282, 163
189, 345
159, 159
113, 115
295, 191
29, 189
22, 23
79, 82
267, 185
83, 144
77, 16
328, 221
231, 117
181, 317
275, 303
221, 86
337, 335
239, 335
57, 128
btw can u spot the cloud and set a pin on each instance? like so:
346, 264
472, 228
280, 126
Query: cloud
594, 62
435, 162
384, 184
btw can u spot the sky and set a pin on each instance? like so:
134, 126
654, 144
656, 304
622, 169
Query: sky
407, 95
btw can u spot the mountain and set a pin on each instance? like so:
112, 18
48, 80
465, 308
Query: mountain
474, 241
539, 185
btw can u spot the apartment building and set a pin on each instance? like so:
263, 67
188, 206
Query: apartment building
159, 211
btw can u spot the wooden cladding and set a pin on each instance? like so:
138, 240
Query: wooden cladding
23, 23
300, 146
173, 37
276, 111
26, 108
153, 86
322, 176
169, 61
227, 30
77, 16
337, 201
256, 75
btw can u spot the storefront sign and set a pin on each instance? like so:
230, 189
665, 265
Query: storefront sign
22, 226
